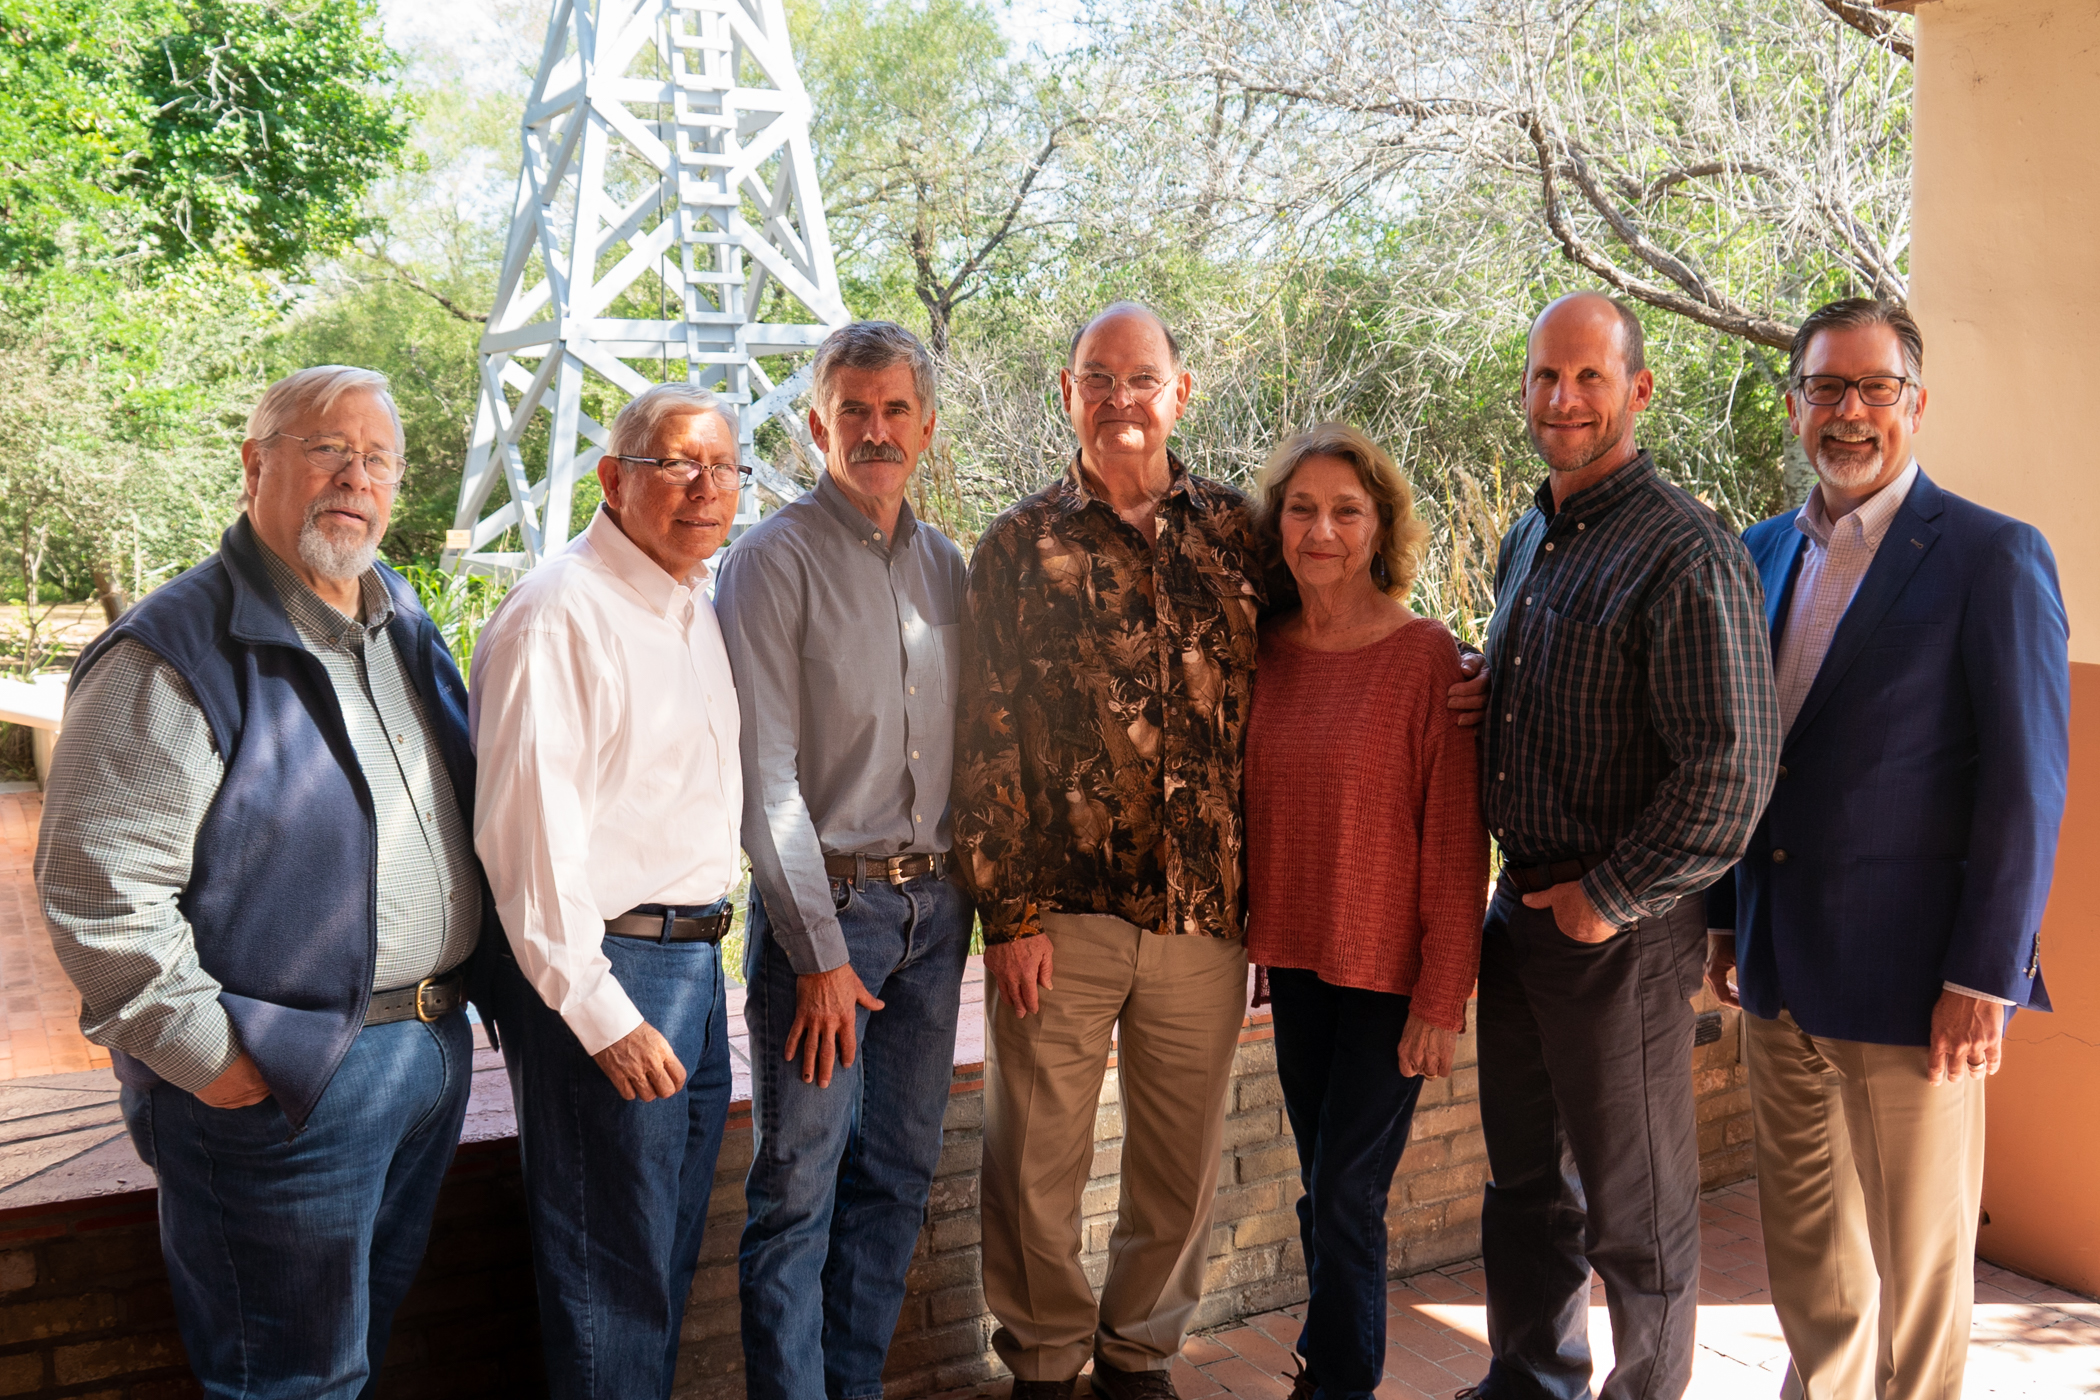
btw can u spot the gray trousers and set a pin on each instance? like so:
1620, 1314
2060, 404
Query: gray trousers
1586, 1102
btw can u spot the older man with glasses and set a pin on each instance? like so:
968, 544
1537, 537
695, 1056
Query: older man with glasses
1098, 822
1886, 919
256, 866
609, 800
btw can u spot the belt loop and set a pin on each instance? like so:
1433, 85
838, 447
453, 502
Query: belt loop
860, 872
670, 917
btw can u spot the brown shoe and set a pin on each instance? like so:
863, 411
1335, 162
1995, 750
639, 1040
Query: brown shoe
1303, 1386
1117, 1384
1043, 1390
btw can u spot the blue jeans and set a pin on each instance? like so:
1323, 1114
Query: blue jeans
616, 1191
839, 1176
1338, 1058
288, 1254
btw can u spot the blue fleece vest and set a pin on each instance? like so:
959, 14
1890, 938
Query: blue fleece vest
282, 895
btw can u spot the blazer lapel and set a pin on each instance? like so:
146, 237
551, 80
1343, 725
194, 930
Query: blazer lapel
1777, 569
1910, 538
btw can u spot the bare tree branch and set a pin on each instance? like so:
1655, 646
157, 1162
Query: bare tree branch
1708, 309
1875, 25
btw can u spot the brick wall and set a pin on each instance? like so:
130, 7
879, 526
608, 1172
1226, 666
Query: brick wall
84, 1305
943, 1339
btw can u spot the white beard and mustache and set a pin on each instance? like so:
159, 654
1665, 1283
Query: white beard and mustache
330, 556
1848, 472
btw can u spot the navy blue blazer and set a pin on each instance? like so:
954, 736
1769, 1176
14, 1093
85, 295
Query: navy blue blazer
1911, 834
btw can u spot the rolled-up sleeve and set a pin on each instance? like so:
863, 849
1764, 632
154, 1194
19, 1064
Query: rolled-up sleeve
132, 777
535, 805
762, 608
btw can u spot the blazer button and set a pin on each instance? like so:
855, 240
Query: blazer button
1779, 857
1782, 770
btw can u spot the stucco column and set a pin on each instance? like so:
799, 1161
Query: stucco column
2005, 281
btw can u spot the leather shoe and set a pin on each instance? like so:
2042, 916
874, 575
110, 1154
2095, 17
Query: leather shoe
1043, 1390
1117, 1384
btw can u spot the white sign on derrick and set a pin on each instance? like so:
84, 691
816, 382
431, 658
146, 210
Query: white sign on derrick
668, 225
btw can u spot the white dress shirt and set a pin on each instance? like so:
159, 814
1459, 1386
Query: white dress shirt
605, 725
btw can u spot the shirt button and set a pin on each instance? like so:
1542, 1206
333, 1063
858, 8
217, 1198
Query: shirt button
1518, 662
1500, 776
1779, 857
916, 817
1549, 549
1527, 602
912, 689
1580, 526
1510, 717
914, 753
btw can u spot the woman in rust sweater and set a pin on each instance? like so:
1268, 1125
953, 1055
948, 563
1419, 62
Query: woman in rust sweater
1367, 867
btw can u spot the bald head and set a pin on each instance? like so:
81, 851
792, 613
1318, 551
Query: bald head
1584, 384
1595, 313
1120, 310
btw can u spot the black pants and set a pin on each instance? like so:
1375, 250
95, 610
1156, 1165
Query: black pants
1586, 1101
1338, 1059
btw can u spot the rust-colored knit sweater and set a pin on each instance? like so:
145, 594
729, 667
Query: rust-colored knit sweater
1366, 857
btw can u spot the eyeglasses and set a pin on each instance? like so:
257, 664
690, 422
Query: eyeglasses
1095, 386
333, 455
1875, 391
682, 471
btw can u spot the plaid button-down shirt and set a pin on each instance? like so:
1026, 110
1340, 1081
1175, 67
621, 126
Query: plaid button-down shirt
1104, 704
1632, 707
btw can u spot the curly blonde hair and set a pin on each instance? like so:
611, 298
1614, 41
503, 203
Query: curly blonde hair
1402, 539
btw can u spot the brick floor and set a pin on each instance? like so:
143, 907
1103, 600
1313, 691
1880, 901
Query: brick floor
41, 1031
2027, 1339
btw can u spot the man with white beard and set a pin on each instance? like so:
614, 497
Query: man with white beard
257, 865
1883, 924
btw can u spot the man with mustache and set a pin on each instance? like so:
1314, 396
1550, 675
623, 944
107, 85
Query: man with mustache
841, 612
1630, 738
1884, 922
609, 803
256, 865
1098, 822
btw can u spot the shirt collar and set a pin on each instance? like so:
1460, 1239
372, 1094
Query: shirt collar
833, 498
1073, 495
1875, 514
624, 560
303, 605
1593, 501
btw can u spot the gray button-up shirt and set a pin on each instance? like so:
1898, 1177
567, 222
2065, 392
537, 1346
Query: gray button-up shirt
845, 647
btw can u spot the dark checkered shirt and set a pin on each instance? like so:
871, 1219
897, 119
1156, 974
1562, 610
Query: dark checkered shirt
1632, 709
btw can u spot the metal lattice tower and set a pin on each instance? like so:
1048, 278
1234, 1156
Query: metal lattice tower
668, 195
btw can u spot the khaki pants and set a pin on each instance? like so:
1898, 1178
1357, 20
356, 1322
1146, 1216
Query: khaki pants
1869, 1179
1174, 1004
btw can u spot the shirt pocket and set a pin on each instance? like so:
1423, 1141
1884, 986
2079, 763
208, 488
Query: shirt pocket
1581, 669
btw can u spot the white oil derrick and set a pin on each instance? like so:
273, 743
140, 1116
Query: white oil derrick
668, 199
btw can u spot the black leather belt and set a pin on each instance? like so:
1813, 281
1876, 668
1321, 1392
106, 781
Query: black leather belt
895, 869
1533, 878
674, 923
429, 999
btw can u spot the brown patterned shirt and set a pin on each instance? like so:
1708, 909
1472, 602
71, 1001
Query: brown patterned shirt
1104, 697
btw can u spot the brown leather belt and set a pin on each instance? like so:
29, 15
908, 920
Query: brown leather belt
428, 1000
895, 869
672, 923
1533, 878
